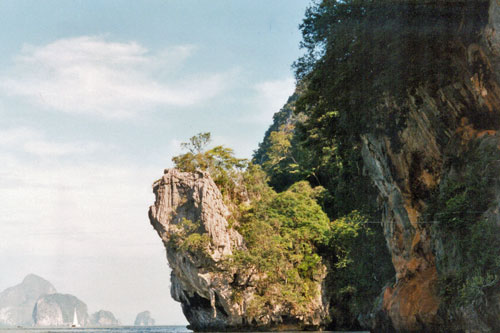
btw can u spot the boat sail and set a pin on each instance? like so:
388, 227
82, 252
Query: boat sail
75, 320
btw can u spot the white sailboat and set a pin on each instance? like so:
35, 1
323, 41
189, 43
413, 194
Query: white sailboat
75, 320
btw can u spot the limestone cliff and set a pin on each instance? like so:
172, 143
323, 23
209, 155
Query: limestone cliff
448, 132
191, 218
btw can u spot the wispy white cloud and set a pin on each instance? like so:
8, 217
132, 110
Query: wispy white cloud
29, 140
13, 136
91, 75
46, 148
242, 147
85, 206
75, 209
276, 91
274, 94
269, 97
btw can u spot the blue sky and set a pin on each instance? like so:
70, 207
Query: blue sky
95, 98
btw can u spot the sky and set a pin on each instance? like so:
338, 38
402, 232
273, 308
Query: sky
95, 99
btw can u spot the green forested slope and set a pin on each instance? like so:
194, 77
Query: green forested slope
305, 203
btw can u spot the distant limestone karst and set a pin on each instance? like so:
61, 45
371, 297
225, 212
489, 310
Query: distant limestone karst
144, 319
17, 302
35, 302
58, 310
103, 318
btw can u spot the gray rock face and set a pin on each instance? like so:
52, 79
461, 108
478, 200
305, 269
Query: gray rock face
199, 281
58, 310
195, 197
103, 318
144, 319
16, 303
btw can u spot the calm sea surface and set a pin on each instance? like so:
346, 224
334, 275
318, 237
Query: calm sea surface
120, 329
117, 329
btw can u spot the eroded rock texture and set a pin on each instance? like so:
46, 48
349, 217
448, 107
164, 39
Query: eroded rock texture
200, 280
441, 123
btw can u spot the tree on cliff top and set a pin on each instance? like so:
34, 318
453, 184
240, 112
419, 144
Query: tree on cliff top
219, 161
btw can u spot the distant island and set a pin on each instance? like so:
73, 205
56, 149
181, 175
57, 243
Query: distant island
144, 319
35, 302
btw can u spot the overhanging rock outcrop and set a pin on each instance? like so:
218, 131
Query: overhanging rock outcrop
192, 220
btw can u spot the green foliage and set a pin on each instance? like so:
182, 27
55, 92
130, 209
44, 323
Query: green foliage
386, 46
466, 278
196, 243
282, 232
182, 230
360, 267
298, 214
279, 151
358, 55
286, 160
288, 236
470, 259
280, 118
189, 237
473, 291
219, 161
344, 231
304, 188
197, 143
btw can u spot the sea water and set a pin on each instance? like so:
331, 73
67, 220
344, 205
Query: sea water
118, 329
115, 329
